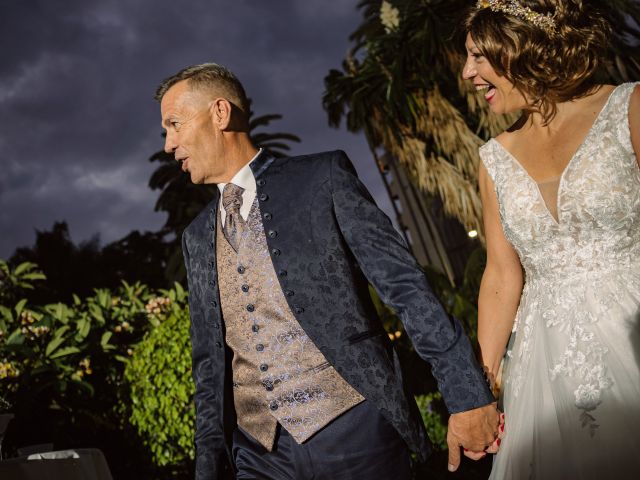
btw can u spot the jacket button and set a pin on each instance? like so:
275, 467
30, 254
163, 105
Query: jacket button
272, 234
219, 344
261, 182
267, 216
268, 386
212, 283
241, 269
275, 252
245, 288
273, 406
255, 328
282, 273
264, 367
299, 309
264, 197
250, 308
214, 304
289, 293
259, 347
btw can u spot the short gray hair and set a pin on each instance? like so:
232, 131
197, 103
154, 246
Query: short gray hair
209, 76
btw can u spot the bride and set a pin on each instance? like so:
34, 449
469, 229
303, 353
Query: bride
560, 295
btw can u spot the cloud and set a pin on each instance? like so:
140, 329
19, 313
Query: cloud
79, 122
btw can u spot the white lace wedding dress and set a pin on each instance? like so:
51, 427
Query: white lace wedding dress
572, 375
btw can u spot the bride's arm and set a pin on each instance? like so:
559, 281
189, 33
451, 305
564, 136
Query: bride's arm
501, 284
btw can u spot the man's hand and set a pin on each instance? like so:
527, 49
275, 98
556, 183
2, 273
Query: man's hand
476, 431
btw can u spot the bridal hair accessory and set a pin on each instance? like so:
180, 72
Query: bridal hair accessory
511, 7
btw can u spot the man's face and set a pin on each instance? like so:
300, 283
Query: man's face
191, 135
501, 94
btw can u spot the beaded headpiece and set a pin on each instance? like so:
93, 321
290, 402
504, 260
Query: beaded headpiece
545, 21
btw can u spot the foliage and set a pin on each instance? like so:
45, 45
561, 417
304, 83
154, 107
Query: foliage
433, 421
62, 365
159, 375
79, 269
17, 282
401, 85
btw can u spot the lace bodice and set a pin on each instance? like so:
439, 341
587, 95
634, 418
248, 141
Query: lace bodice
580, 265
598, 202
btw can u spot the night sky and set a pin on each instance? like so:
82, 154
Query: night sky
78, 121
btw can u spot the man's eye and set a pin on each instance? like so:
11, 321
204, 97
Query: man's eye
175, 125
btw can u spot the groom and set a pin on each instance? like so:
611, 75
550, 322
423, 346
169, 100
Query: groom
295, 376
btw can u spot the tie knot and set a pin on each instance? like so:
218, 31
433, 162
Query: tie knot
232, 197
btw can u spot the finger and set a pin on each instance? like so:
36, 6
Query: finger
454, 453
495, 446
474, 455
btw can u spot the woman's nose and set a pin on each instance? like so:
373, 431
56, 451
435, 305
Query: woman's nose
469, 70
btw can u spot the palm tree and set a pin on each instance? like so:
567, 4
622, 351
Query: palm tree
182, 200
401, 85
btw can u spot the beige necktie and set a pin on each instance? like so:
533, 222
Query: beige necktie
233, 222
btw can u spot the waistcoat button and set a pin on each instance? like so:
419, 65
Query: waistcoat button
241, 269
282, 273
272, 234
275, 252
267, 216
259, 347
250, 308
264, 197
255, 328
273, 406
264, 367
245, 288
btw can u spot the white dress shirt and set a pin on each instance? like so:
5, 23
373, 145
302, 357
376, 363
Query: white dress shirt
245, 179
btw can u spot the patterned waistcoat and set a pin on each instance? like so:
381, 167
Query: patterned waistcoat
279, 375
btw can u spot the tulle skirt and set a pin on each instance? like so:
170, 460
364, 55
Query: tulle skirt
571, 391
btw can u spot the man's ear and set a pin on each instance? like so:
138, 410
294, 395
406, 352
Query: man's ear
220, 111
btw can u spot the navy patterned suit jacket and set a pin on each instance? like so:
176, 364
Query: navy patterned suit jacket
327, 240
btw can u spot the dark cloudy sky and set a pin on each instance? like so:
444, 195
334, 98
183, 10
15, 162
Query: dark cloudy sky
78, 121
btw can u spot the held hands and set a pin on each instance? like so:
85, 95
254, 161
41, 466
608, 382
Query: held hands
478, 431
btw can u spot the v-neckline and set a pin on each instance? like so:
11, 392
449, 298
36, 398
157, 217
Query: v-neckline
567, 166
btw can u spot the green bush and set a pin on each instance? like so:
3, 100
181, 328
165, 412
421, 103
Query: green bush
433, 421
159, 375
62, 366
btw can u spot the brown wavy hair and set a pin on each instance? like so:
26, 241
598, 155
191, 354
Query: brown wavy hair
547, 68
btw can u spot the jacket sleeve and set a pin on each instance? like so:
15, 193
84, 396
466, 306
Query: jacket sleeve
209, 437
385, 260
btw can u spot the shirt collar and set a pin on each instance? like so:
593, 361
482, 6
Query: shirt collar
244, 178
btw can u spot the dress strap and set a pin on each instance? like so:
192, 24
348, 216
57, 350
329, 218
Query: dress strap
492, 156
619, 110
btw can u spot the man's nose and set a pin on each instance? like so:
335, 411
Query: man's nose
469, 70
170, 144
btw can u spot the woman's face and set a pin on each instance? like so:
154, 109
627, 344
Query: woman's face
501, 94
